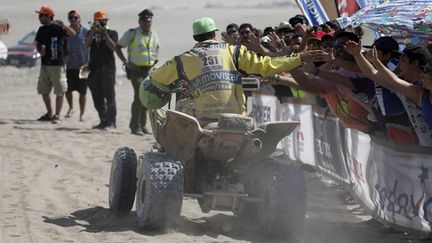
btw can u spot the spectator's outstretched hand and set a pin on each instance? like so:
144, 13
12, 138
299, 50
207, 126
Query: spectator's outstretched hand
228, 39
353, 48
309, 68
254, 42
302, 29
313, 56
329, 58
275, 42
373, 57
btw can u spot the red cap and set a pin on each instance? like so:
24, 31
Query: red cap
46, 10
318, 34
100, 14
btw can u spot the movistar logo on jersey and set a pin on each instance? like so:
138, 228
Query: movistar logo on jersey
211, 77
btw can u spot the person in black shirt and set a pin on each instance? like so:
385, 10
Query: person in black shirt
101, 79
50, 43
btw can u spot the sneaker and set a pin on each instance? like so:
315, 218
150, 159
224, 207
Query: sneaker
56, 120
137, 132
101, 125
46, 117
157, 147
110, 127
144, 130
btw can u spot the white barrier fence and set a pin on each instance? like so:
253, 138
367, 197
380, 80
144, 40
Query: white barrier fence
390, 181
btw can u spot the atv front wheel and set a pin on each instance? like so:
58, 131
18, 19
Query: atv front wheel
160, 191
123, 179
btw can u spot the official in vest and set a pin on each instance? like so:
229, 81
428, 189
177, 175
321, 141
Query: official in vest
143, 47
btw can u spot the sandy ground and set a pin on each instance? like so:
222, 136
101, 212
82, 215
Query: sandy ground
54, 178
54, 182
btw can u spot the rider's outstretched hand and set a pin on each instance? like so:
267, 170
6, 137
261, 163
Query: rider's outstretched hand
313, 56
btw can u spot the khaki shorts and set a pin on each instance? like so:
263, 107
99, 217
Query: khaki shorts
52, 76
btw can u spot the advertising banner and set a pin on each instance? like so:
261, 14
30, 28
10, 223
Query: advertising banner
314, 11
329, 151
299, 145
357, 154
401, 185
263, 108
347, 7
409, 22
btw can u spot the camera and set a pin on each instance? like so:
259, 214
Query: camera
101, 23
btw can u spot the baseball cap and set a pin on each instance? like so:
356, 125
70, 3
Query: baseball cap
298, 19
46, 10
100, 14
386, 44
419, 53
327, 36
343, 33
146, 15
284, 25
203, 25
318, 35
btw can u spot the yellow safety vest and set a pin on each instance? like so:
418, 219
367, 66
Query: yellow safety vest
142, 53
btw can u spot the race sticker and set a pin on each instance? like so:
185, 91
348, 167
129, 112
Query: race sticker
211, 62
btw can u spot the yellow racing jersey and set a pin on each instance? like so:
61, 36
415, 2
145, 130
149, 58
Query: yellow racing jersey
207, 79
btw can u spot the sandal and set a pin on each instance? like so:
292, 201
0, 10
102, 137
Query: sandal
45, 117
69, 113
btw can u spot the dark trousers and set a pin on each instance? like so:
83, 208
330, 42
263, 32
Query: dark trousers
101, 84
139, 112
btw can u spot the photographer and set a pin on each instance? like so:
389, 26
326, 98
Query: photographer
101, 79
143, 47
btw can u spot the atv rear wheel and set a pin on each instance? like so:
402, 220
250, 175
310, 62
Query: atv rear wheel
123, 179
160, 191
281, 187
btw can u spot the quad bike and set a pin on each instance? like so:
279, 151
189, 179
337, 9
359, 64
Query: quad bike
226, 165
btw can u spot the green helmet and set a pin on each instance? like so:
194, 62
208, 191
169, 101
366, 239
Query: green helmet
153, 95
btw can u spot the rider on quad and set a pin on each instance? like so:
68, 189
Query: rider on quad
227, 167
207, 79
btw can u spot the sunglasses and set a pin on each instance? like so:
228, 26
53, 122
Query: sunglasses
245, 32
43, 15
73, 17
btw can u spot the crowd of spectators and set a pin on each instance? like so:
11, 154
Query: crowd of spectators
377, 89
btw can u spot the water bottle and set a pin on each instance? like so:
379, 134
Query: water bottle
54, 48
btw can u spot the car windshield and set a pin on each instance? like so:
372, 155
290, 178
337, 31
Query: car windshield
29, 39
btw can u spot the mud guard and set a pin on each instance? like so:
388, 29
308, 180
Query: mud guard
180, 135
270, 135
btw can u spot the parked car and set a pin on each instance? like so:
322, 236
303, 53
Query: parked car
3, 52
25, 52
